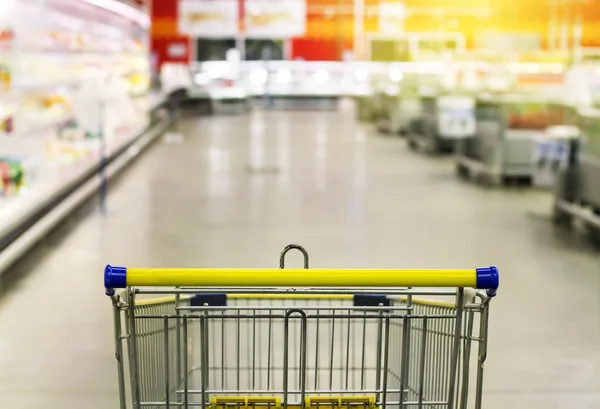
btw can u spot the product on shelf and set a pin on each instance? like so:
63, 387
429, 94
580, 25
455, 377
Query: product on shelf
534, 116
6, 119
5, 78
6, 38
11, 176
71, 143
71, 132
139, 82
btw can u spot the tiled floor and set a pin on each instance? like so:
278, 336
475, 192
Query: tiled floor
237, 189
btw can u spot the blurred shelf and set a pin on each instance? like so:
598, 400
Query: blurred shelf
55, 179
40, 127
58, 59
20, 88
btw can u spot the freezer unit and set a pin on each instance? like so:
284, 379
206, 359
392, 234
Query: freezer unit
578, 188
444, 119
506, 131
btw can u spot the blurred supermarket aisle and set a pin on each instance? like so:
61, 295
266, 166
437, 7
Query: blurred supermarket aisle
237, 189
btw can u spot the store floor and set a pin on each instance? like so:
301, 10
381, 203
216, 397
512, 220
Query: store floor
236, 190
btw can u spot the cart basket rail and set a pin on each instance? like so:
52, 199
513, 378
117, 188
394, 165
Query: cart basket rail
486, 278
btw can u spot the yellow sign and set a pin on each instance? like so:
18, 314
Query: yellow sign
208, 18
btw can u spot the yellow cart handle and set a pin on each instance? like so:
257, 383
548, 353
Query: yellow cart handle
121, 277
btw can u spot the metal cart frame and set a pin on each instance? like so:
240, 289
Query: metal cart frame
300, 338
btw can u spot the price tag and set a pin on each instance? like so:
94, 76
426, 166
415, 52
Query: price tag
456, 116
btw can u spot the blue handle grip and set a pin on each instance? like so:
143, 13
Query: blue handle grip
488, 277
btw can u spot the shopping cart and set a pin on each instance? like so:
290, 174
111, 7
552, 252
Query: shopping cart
300, 338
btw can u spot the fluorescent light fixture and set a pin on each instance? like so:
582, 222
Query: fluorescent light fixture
217, 69
7, 10
321, 76
284, 76
361, 75
396, 75
531, 68
259, 76
556, 68
123, 10
202, 79
253, 8
392, 89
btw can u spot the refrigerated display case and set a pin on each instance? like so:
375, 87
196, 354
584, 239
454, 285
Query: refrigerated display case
369, 84
53, 55
364, 108
288, 84
578, 187
400, 104
506, 129
295, 85
217, 84
445, 118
